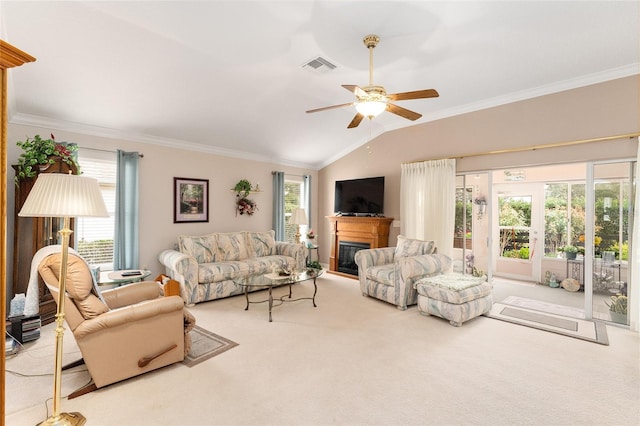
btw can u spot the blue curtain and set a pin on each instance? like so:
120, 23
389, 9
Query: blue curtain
126, 244
278, 205
307, 197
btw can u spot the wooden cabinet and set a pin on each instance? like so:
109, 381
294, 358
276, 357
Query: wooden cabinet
30, 234
358, 232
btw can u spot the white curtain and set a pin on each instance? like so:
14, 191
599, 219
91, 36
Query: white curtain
427, 202
634, 267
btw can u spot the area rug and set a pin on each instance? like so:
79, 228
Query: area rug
590, 331
205, 345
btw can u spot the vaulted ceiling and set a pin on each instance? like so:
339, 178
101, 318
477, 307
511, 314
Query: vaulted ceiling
227, 77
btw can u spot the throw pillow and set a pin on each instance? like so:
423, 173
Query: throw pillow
411, 247
204, 248
232, 246
263, 243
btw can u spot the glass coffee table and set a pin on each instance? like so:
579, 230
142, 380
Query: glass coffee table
271, 280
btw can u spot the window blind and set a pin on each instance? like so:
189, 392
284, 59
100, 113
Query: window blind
94, 236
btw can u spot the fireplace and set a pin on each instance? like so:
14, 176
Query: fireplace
350, 234
346, 256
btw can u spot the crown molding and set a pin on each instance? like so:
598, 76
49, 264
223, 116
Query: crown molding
104, 132
586, 80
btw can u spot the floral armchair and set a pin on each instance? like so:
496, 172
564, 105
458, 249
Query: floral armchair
389, 273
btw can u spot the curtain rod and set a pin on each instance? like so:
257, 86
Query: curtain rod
535, 147
105, 150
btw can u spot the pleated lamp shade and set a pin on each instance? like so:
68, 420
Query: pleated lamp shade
64, 195
298, 217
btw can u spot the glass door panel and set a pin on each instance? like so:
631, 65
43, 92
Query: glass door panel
610, 240
519, 224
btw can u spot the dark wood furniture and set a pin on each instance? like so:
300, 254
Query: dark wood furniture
373, 231
30, 234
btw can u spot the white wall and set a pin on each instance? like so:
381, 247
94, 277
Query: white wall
157, 170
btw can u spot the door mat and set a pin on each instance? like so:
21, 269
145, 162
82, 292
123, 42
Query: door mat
590, 331
205, 345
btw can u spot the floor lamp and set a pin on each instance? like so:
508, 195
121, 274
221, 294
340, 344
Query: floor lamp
64, 196
298, 217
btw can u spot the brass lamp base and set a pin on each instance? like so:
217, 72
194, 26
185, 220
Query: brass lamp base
71, 419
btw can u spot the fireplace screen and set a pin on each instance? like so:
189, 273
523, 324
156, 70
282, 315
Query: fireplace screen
346, 256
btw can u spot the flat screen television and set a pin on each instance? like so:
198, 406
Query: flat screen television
360, 197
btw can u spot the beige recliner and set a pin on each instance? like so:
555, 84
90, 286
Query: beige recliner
122, 332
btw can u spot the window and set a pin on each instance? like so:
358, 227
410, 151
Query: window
464, 218
514, 223
564, 217
293, 198
94, 235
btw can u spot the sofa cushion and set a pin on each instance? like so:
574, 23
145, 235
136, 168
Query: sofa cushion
263, 243
384, 274
231, 270
203, 248
411, 247
232, 246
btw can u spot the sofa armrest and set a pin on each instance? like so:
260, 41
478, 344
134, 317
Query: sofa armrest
297, 251
129, 314
374, 257
184, 269
131, 294
367, 258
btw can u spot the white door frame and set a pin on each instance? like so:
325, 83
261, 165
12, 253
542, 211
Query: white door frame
521, 269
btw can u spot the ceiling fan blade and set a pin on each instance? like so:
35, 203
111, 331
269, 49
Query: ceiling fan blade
403, 112
356, 121
330, 107
418, 94
356, 90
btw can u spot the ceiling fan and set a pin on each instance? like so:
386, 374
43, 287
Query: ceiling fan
372, 100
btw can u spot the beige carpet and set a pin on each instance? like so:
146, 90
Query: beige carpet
354, 360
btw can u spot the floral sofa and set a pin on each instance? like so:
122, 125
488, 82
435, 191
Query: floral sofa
389, 273
206, 266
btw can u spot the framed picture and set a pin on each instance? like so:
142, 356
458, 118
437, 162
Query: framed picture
191, 200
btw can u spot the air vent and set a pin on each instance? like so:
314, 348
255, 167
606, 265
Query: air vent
319, 64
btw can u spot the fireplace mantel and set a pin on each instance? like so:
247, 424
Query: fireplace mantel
369, 230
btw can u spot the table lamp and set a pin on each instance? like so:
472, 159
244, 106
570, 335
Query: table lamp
298, 217
65, 196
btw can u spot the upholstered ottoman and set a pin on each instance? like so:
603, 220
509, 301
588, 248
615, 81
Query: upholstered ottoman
455, 297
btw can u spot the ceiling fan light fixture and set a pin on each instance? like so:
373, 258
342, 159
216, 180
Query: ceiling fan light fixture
370, 108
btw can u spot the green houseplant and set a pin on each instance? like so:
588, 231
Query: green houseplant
243, 187
570, 251
39, 153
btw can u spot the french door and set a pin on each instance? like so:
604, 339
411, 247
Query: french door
519, 235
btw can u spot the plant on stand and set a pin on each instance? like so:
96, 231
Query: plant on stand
39, 154
570, 251
244, 205
618, 308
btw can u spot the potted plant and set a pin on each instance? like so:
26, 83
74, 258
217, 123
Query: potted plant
570, 251
243, 187
618, 309
39, 154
